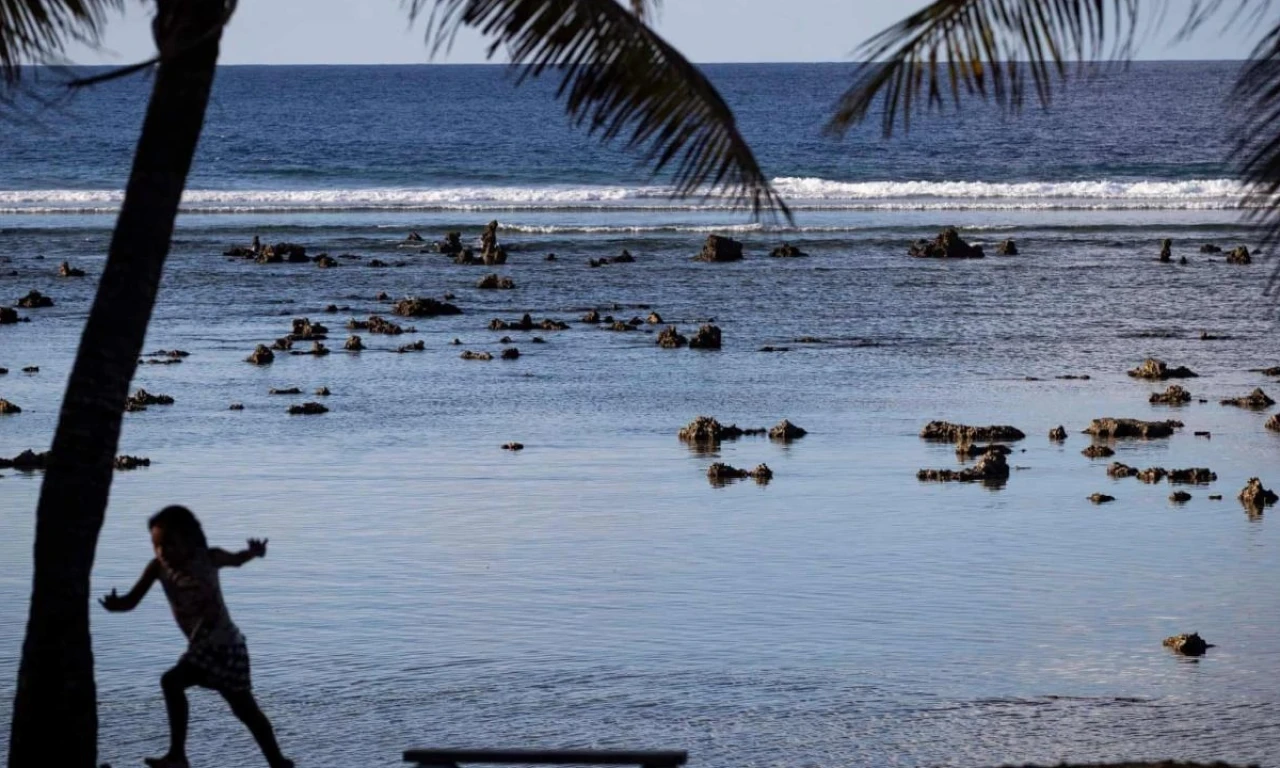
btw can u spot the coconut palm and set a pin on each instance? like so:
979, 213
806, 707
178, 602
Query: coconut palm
1003, 50
617, 76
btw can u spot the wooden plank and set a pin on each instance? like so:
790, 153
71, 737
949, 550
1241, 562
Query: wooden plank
454, 757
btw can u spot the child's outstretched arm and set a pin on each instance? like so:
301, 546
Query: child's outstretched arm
224, 559
115, 603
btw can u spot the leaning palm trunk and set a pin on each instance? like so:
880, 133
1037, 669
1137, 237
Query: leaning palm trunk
55, 720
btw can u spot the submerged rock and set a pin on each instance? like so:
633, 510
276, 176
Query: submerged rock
1157, 370
1187, 645
1192, 476
1255, 497
66, 270
1166, 250
307, 409
379, 325
305, 330
654, 319
9, 316
1273, 423
707, 337
511, 353
1058, 434
126, 463
1239, 255
284, 391
7, 408
142, 398
414, 237
262, 355
451, 244
992, 468
414, 307
1109, 428
670, 338
1007, 248
787, 251
27, 461
1257, 399
947, 245
236, 407
1174, 395
786, 431
318, 349
354, 344
416, 346
325, 261
35, 300
1152, 475
707, 430
591, 318
719, 249
961, 433
970, 451
1098, 452
1210, 248
470, 355
1179, 497
494, 281
1101, 498
513, 446
623, 258
1118, 470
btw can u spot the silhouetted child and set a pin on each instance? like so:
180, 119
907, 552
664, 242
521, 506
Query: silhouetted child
216, 656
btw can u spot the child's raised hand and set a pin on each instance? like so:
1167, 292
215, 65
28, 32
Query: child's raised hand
113, 602
258, 547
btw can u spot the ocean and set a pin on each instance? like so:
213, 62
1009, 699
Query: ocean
425, 588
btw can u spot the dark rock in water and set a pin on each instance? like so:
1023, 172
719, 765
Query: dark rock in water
1109, 428
9, 316
947, 245
670, 338
35, 300
4, 371
1273, 423
1192, 476
307, 409
380, 325
591, 318
1183, 261
498, 324
1101, 498
1098, 452
377, 263
511, 353
451, 244
786, 431
769, 348
707, 337
1166, 250
1187, 645
1206, 336
466, 257
1152, 475
66, 270
1058, 434
317, 350
707, 430
762, 474
654, 319
1239, 255
7, 408
506, 340
1157, 370
490, 252
288, 391
494, 281
416, 346
719, 248
1073, 377
27, 461
469, 355
1216, 497
31, 369
1007, 248
382, 296
553, 325
354, 344
305, 330
1255, 497
1205, 435
1257, 399
596, 263
236, 407
414, 237
623, 258
513, 446
960, 433
721, 472
620, 326
144, 398
1118, 470
550, 257
1179, 497
1210, 248
537, 340
971, 451
1174, 395
424, 308
992, 468
787, 251
325, 261
126, 463
282, 345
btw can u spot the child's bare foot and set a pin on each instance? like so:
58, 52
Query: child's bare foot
168, 761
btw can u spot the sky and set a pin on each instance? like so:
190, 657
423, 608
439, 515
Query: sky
378, 32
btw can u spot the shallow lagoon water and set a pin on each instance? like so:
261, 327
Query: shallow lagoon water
426, 588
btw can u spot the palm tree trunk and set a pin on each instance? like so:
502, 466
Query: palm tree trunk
55, 720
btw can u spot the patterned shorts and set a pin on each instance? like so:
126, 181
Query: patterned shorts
222, 657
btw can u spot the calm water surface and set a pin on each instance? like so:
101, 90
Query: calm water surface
426, 588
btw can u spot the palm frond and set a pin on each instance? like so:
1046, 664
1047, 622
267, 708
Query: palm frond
988, 48
646, 10
620, 79
1257, 93
31, 31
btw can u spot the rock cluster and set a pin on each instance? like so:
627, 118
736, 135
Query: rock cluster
126, 463
469, 355
35, 300
1109, 428
992, 468
1192, 476
947, 245
1118, 470
414, 307
720, 473
1174, 395
307, 409
494, 281
961, 433
1257, 400
1157, 370
1187, 645
787, 251
1098, 452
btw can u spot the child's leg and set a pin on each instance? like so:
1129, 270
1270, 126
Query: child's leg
175, 683
246, 708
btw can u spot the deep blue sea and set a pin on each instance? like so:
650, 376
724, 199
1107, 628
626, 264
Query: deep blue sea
426, 588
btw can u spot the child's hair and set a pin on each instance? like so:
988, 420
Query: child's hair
179, 521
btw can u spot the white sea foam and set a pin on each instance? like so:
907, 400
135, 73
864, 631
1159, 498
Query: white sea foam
812, 193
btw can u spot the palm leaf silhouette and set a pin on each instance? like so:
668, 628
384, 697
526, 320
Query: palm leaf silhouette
31, 31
